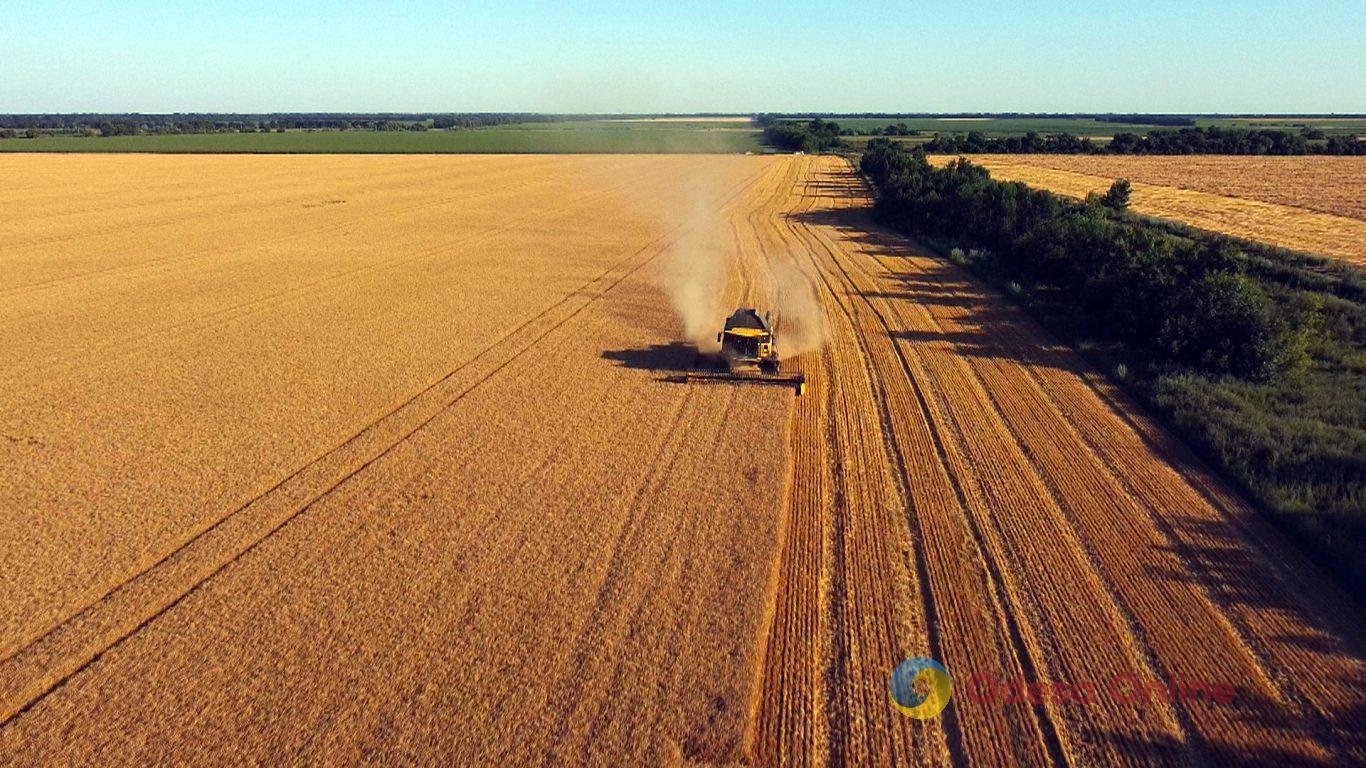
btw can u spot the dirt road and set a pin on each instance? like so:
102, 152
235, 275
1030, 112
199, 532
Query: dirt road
371, 458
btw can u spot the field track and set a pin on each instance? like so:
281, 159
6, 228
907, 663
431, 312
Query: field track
1310, 204
363, 458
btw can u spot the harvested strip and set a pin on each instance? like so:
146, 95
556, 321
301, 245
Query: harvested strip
1107, 520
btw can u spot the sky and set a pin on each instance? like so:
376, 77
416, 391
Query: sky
700, 56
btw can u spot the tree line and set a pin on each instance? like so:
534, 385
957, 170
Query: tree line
1133, 119
814, 135
1174, 299
1211, 140
1107, 117
894, 129
34, 126
1251, 354
976, 142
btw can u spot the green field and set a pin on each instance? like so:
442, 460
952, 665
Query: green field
559, 137
1096, 129
996, 127
615, 135
1330, 126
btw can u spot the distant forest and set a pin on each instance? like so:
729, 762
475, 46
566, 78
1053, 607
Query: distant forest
1212, 140
136, 124
817, 134
160, 124
1130, 119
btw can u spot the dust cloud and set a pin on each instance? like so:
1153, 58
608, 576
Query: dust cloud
800, 324
694, 278
700, 278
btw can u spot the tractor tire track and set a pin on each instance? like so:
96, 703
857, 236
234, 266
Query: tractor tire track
43, 664
1007, 409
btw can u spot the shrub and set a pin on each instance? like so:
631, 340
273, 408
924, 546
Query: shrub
1222, 323
1117, 198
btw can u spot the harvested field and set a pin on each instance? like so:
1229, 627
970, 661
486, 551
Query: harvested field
370, 459
1312, 204
1315, 183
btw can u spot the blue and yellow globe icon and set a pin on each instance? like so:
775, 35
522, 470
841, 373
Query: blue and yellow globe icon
935, 687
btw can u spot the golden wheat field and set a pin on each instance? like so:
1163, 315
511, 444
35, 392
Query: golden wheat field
342, 459
1311, 204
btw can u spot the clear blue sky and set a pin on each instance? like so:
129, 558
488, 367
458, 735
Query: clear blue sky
607, 56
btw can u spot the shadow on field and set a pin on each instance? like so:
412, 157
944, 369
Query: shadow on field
674, 357
1163, 751
833, 190
855, 221
970, 344
1233, 565
945, 311
1288, 731
991, 326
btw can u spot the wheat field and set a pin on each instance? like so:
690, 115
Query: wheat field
1311, 204
377, 459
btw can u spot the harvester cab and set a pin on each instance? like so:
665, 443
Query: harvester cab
749, 354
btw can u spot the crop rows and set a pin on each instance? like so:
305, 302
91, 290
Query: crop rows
376, 459
1243, 197
516, 523
1047, 532
1325, 184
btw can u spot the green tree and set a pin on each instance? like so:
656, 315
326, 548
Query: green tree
1223, 323
1118, 196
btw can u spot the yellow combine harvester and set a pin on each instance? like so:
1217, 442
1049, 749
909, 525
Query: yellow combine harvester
748, 354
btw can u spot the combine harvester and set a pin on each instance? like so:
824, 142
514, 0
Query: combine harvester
748, 355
